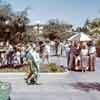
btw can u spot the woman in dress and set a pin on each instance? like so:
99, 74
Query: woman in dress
73, 57
84, 58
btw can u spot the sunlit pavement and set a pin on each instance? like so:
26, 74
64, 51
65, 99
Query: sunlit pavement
58, 86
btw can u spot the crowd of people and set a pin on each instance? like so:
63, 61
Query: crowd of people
31, 54
14, 55
79, 55
82, 56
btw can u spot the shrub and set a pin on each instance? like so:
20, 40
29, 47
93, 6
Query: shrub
52, 68
60, 69
98, 43
55, 68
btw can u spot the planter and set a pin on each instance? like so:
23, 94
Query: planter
98, 51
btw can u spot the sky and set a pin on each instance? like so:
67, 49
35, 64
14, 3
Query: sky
74, 12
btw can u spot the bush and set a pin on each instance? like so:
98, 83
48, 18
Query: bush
60, 69
98, 43
52, 68
55, 68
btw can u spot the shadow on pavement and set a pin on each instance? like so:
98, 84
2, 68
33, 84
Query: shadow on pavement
86, 86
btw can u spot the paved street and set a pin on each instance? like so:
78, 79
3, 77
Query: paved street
58, 86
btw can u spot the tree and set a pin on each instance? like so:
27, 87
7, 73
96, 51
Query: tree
12, 25
78, 29
24, 15
87, 22
93, 26
55, 28
84, 28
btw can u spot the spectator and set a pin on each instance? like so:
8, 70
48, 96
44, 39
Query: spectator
84, 58
92, 57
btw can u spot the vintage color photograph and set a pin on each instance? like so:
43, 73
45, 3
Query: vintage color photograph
49, 49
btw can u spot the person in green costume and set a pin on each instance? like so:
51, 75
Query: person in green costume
32, 59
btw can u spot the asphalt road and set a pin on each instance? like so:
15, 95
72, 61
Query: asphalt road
56, 86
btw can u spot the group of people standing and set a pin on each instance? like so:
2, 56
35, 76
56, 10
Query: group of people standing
82, 56
13, 55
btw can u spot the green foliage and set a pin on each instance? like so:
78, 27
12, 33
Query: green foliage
13, 23
60, 69
55, 68
92, 26
52, 68
98, 43
55, 28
